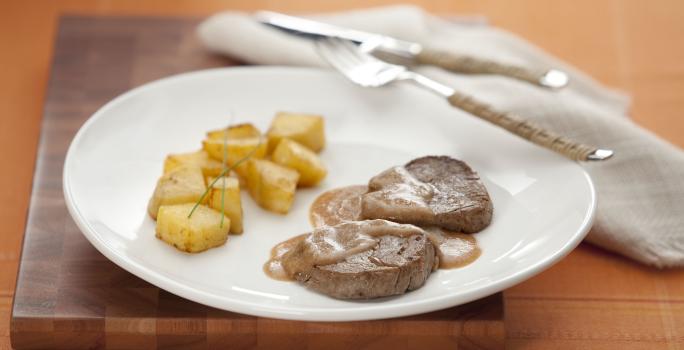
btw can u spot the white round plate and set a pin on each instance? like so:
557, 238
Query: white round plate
543, 203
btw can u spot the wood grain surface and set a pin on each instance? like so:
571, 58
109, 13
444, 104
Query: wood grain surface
591, 299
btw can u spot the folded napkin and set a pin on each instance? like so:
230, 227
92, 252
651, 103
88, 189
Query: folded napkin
640, 191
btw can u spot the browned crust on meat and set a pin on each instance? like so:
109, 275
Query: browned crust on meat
396, 265
457, 202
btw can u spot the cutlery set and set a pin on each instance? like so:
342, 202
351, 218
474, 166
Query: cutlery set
372, 60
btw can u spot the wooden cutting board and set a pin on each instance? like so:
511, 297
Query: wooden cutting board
70, 296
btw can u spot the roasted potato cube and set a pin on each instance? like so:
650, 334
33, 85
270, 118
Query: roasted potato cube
229, 187
271, 185
199, 232
305, 129
239, 131
237, 149
181, 185
293, 155
242, 180
210, 167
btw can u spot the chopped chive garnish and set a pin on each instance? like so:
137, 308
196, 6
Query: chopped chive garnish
224, 161
224, 172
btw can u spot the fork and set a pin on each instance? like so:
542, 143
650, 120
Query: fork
368, 71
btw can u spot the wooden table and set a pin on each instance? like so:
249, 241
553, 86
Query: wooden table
590, 299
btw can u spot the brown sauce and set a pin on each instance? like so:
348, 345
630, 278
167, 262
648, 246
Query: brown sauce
344, 204
328, 245
453, 248
274, 266
337, 205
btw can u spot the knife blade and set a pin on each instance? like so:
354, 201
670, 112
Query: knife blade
313, 29
402, 51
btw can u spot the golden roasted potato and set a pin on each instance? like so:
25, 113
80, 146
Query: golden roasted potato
232, 174
293, 155
239, 131
229, 188
237, 149
181, 185
201, 231
303, 128
210, 167
271, 185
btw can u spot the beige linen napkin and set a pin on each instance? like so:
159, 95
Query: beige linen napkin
640, 191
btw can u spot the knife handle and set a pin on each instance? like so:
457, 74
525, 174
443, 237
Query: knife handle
470, 65
525, 129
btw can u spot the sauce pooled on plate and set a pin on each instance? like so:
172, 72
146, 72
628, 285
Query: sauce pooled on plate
344, 204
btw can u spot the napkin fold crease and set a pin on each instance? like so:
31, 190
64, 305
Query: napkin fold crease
640, 191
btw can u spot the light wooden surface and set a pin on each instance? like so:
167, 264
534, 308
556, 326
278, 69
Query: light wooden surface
632, 45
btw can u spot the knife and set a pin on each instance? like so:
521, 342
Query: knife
401, 51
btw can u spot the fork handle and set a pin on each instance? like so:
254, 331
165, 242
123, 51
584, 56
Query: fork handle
471, 65
523, 128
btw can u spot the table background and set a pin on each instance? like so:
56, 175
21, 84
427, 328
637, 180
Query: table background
634, 45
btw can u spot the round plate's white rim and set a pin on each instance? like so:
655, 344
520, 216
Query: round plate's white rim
365, 312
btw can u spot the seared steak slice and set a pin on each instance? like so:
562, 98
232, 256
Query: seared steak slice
430, 191
394, 266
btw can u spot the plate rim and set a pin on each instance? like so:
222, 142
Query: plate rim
306, 314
